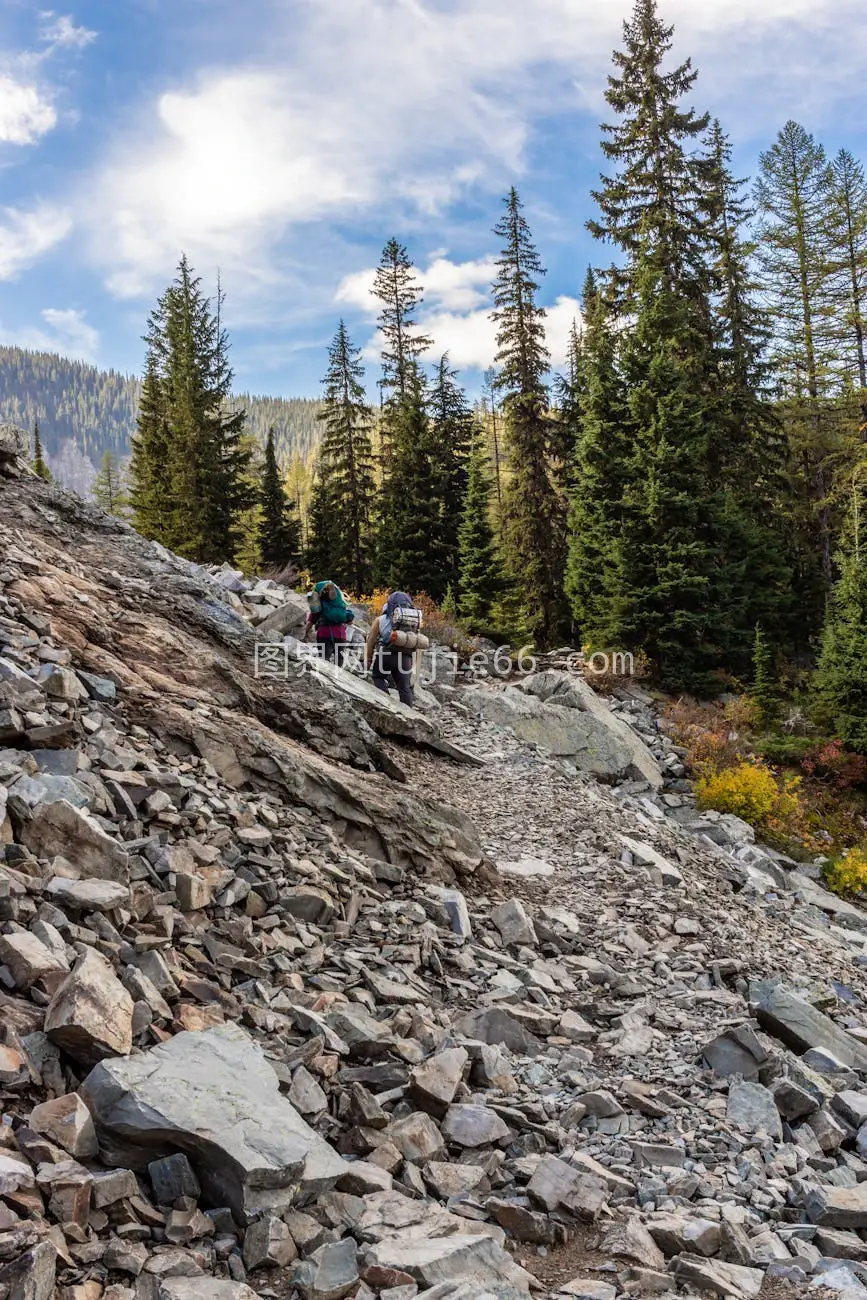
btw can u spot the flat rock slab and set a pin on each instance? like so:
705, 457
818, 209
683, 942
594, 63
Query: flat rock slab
724, 1280
798, 1024
203, 1288
214, 1096
837, 1207
458, 1258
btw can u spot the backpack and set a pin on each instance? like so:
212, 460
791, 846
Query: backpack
406, 619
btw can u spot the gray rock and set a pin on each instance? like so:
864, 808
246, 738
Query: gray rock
514, 924
722, 1279
59, 828
29, 960
497, 1028
457, 1258
90, 1015
473, 1126
595, 740
268, 1244
203, 1288
87, 895
214, 1096
32, 1275
752, 1109
66, 1121
556, 1185
799, 1025
173, 1177
837, 1207
330, 1273
435, 1082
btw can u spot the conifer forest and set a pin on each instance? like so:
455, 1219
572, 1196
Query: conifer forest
690, 489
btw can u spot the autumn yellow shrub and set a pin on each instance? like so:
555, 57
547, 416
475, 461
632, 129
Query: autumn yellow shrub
748, 790
848, 875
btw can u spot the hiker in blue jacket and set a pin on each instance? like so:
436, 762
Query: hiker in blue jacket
389, 663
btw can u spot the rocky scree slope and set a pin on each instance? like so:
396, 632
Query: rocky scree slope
276, 1022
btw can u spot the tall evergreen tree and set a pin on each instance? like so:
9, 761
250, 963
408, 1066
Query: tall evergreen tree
840, 684
601, 473
792, 198
39, 464
748, 453
481, 574
410, 550
452, 427
671, 581
848, 235
150, 487
673, 596
320, 552
397, 288
200, 480
109, 487
529, 505
649, 206
280, 527
346, 463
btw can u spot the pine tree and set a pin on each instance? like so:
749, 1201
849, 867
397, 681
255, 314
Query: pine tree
601, 473
149, 480
671, 581
320, 552
452, 428
840, 683
793, 197
481, 576
748, 452
529, 506
280, 527
848, 235
346, 462
248, 526
398, 290
649, 207
673, 597
410, 552
38, 462
109, 488
189, 472
764, 690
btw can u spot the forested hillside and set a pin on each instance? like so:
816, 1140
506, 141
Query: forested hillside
97, 409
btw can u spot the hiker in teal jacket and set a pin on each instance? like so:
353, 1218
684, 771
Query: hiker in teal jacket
330, 616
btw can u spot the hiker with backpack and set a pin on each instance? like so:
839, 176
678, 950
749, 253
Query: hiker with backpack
393, 644
330, 616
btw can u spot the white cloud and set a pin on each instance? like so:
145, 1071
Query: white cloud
26, 112
25, 236
67, 333
470, 337
346, 108
448, 286
59, 32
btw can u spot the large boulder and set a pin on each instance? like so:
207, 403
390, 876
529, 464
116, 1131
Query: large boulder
59, 828
591, 737
214, 1096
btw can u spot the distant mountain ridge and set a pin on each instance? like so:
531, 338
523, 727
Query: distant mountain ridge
96, 409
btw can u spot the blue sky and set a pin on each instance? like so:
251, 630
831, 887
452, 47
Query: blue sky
284, 141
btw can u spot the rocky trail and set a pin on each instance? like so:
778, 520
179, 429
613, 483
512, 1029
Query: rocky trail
307, 995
